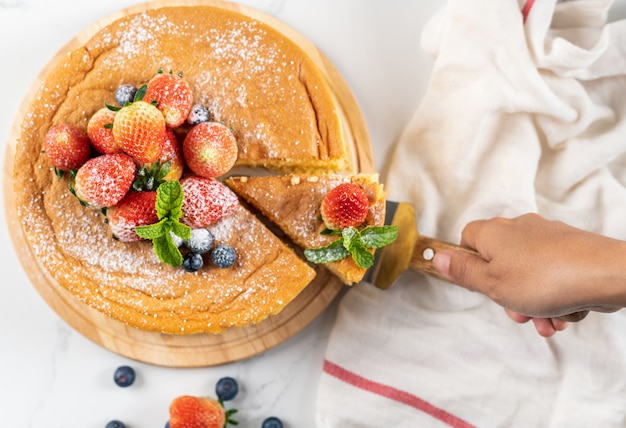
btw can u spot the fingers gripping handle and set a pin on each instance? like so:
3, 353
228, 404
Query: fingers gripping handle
422, 261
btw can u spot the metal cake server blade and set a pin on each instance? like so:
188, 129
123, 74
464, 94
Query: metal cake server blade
414, 251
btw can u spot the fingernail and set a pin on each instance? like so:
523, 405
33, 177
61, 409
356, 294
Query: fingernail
441, 262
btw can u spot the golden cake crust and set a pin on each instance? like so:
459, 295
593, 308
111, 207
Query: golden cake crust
292, 202
275, 128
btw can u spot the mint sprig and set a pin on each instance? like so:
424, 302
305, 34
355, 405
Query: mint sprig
169, 204
356, 243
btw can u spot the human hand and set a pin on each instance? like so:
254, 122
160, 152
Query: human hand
539, 269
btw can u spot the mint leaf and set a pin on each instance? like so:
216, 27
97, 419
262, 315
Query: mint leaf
331, 253
167, 251
351, 236
378, 236
169, 200
361, 255
152, 231
181, 230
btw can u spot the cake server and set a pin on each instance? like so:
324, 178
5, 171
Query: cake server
414, 251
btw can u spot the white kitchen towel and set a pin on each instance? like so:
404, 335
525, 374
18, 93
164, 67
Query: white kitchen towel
525, 112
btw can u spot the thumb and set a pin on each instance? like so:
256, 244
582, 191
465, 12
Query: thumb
462, 268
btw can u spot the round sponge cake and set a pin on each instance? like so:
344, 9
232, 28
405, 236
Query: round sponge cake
253, 79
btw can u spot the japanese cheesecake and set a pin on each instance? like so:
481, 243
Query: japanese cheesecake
252, 79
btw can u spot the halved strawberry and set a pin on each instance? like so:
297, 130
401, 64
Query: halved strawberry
210, 149
135, 209
104, 180
67, 147
100, 131
139, 130
206, 201
173, 96
344, 206
188, 411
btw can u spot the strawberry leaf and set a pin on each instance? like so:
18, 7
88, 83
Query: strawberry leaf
141, 92
378, 236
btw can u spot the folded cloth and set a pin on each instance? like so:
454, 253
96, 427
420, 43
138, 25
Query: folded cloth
525, 112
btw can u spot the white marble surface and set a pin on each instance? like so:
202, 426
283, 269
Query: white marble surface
50, 375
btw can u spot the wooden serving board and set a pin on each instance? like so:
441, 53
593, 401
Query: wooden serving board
200, 349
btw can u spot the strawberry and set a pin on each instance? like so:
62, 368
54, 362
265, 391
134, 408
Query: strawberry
206, 201
168, 167
210, 149
67, 147
344, 206
100, 131
188, 411
139, 130
173, 97
104, 180
135, 209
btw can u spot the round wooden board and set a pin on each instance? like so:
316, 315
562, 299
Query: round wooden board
200, 349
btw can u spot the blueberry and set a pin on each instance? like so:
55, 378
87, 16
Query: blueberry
200, 241
192, 262
198, 114
226, 388
125, 94
167, 425
223, 256
115, 424
124, 376
272, 422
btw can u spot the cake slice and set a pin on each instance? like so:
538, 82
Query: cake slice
292, 202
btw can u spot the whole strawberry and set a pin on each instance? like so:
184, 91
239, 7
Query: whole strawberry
135, 209
210, 149
344, 206
67, 147
169, 166
100, 131
173, 97
188, 411
139, 130
104, 180
206, 201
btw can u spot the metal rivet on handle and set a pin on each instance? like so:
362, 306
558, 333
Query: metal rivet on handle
428, 254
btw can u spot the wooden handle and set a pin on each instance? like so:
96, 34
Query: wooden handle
425, 249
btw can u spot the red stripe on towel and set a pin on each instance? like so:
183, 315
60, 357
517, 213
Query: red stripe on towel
394, 394
526, 8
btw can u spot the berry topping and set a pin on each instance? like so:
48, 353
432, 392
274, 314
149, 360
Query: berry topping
223, 256
104, 180
135, 209
167, 168
67, 147
344, 206
124, 376
100, 131
173, 97
192, 262
125, 94
272, 422
206, 201
198, 114
201, 412
139, 130
226, 389
200, 241
115, 424
210, 149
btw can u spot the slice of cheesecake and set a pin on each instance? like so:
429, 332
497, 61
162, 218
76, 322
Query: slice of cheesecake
292, 202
